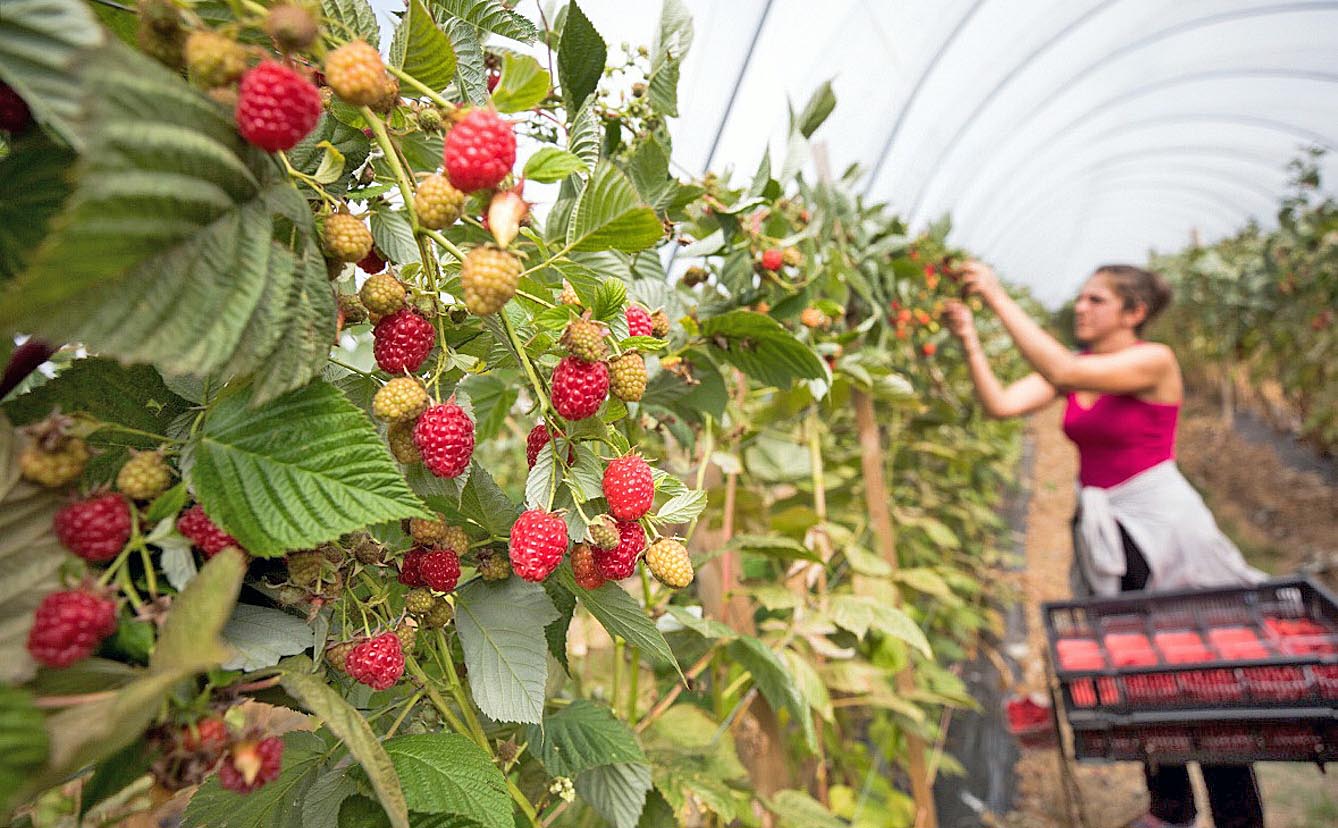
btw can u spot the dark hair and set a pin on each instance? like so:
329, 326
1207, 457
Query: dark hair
1137, 286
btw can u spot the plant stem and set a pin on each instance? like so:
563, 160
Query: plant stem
667, 700
525, 362
437, 701
617, 670
635, 666
392, 158
446, 244
404, 713
421, 87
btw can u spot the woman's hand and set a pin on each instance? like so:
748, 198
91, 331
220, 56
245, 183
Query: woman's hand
978, 277
959, 320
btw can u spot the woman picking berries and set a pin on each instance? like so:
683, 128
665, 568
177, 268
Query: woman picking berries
1140, 525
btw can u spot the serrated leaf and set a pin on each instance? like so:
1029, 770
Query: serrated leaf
810, 684
491, 16
621, 616
486, 504
693, 757
492, 399
586, 475
394, 236
326, 796
585, 137
552, 164
673, 39
775, 682
682, 508
777, 546
446, 773
177, 562
523, 85
555, 632
797, 809
581, 736
296, 472
348, 724
23, 740
42, 46
331, 168
705, 627
501, 629
36, 174
352, 18
423, 50
471, 72
609, 215
279, 802
541, 483
760, 347
609, 300
189, 637
261, 636
581, 57
861, 613
181, 245
819, 106
616, 792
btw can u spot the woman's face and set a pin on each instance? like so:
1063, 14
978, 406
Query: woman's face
1099, 311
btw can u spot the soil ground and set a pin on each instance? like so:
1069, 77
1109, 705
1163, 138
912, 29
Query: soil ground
1283, 518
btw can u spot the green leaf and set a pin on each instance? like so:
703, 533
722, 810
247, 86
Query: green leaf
486, 504
861, 613
622, 616
581, 736
705, 627
586, 136
523, 85
617, 792
555, 633
797, 809
23, 741
346, 722
693, 757
394, 236
354, 18
43, 44
777, 546
188, 639
609, 216
471, 71
423, 50
296, 472
673, 39
775, 682
331, 141
326, 796
581, 57
810, 683
116, 773
492, 399
446, 773
682, 508
541, 483
279, 803
501, 629
760, 347
180, 245
816, 110
552, 164
36, 177
261, 636
491, 16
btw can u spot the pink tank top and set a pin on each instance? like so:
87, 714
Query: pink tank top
1119, 436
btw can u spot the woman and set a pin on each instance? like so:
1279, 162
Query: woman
1140, 525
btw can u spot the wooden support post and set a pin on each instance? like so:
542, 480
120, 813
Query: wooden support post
877, 502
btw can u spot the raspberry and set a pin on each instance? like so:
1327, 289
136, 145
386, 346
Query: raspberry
629, 487
347, 239
160, 33
69, 625
208, 736
489, 277
401, 341
411, 573
638, 321
251, 764
479, 151
15, 117
377, 662
494, 567
814, 318
439, 616
537, 439
620, 562
444, 435
428, 531
440, 570
568, 295
372, 262
382, 294
418, 601
336, 655
585, 340
429, 120
538, 541
437, 204
276, 107
307, 568
390, 97
213, 59
579, 387
792, 257
196, 526
96, 528
144, 476
356, 73
772, 259
400, 438
694, 276
627, 377
367, 550
669, 562
455, 539
603, 531
659, 324
408, 636
400, 400
583, 567
56, 466
292, 27
352, 309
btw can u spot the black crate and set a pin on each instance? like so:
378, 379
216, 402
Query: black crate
1224, 737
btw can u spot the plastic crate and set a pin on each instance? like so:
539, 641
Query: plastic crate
1224, 737
1271, 646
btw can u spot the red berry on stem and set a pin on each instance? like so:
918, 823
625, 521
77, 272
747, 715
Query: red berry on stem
69, 625
535, 442
401, 341
251, 764
440, 570
620, 562
276, 106
583, 567
579, 387
773, 258
479, 151
372, 262
196, 526
411, 569
95, 528
444, 436
377, 662
15, 117
629, 487
639, 322
538, 541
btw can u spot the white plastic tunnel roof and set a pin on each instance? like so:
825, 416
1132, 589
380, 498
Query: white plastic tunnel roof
1059, 134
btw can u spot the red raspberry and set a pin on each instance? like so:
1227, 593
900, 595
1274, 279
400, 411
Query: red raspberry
639, 322
411, 570
537, 439
444, 435
928, 349
440, 570
96, 528
15, 117
209, 736
479, 151
69, 625
377, 662
620, 562
629, 487
196, 526
538, 541
579, 387
401, 341
276, 107
251, 764
583, 567
372, 262
773, 258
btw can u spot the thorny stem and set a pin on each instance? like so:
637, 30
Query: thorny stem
445, 243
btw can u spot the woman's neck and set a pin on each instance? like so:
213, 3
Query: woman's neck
1117, 341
